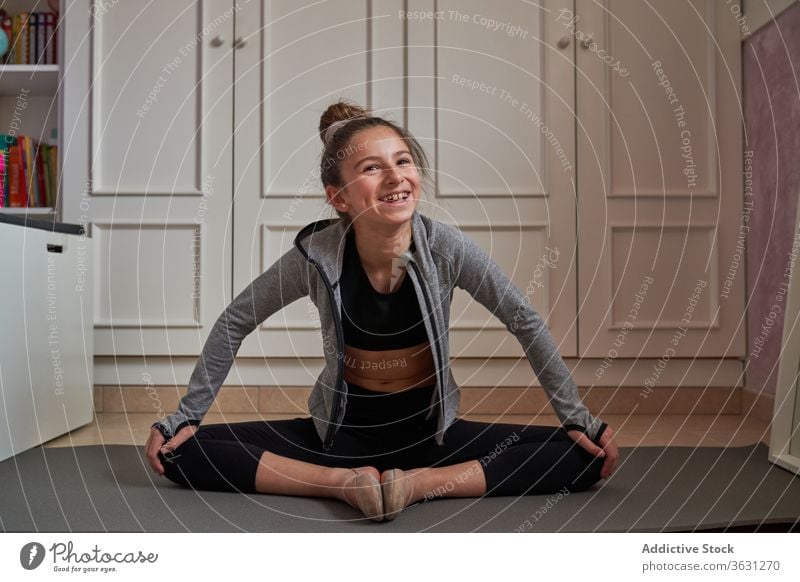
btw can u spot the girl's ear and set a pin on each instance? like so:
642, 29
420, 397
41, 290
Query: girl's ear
332, 193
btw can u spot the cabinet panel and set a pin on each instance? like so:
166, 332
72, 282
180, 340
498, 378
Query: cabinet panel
159, 192
298, 58
660, 192
147, 103
490, 94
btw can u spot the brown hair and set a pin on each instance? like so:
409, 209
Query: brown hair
337, 149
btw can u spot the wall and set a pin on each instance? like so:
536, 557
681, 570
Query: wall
771, 69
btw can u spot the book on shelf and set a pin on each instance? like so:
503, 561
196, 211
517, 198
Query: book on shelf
29, 173
32, 38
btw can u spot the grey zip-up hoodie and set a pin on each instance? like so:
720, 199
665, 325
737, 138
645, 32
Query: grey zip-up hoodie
444, 257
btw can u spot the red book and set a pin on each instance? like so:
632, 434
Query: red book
40, 177
23, 183
2, 179
16, 196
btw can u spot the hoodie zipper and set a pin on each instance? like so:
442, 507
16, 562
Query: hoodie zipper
337, 399
429, 306
328, 441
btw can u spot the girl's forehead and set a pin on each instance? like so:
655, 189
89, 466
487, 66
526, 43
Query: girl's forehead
376, 137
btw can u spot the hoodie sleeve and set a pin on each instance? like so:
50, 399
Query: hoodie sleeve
283, 283
481, 277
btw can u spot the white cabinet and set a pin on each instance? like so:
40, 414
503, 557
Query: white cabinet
149, 163
199, 145
661, 215
46, 347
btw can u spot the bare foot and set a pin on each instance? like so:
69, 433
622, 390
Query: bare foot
405, 491
361, 489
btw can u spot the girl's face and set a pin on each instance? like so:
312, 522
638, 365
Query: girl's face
381, 185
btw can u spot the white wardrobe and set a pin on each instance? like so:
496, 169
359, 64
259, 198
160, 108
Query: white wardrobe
593, 148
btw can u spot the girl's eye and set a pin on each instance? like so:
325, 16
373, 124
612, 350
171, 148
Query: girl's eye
369, 168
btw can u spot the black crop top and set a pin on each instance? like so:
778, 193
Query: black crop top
373, 320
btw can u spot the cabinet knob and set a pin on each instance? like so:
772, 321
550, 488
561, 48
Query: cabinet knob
239, 43
563, 42
588, 41
218, 40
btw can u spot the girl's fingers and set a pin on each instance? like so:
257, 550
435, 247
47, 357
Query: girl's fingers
183, 435
583, 440
151, 450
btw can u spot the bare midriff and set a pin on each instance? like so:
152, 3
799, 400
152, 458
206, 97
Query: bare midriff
390, 370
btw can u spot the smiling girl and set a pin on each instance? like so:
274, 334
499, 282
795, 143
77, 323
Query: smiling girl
383, 431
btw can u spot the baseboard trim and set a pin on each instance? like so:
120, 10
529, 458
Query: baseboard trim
758, 405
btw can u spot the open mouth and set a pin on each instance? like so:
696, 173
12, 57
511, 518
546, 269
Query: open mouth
395, 199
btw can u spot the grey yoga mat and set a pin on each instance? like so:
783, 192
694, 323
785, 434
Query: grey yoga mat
110, 488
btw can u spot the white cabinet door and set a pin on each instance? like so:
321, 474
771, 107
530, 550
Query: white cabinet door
160, 173
660, 206
490, 95
298, 58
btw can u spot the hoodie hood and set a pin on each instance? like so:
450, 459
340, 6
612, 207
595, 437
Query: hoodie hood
322, 243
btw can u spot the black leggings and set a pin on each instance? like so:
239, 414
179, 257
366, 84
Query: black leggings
387, 431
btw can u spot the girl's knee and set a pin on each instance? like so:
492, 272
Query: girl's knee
172, 462
171, 469
586, 474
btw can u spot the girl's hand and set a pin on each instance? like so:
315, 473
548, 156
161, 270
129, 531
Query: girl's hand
157, 444
608, 449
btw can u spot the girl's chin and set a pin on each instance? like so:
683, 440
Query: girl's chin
397, 213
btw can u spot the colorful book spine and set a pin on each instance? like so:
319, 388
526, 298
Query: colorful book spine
51, 38
33, 38
2, 181
16, 198
6, 141
33, 27
28, 173
23, 38
40, 185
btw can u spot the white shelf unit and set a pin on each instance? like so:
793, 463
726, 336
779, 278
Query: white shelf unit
30, 102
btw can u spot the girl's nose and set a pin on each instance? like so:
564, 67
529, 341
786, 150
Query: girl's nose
393, 174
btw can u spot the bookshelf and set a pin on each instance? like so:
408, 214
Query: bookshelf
30, 101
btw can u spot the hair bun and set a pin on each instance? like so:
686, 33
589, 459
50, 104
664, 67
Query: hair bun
342, 110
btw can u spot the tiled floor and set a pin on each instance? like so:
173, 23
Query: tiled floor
635, 430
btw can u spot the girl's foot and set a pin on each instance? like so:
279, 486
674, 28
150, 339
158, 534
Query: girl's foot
398, 491
362, 490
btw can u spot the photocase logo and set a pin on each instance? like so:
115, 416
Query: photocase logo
31, 555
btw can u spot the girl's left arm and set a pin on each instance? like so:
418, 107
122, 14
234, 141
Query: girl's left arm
481, 277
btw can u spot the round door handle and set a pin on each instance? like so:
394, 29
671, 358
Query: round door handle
239, 43
563, 42
218, 40
587, 42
